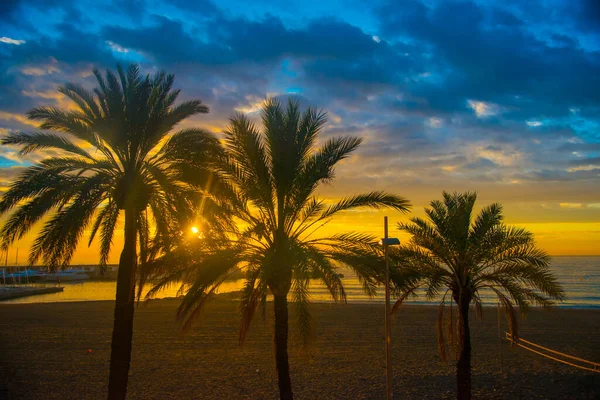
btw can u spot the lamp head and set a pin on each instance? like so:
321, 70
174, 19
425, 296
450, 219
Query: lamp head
389, 241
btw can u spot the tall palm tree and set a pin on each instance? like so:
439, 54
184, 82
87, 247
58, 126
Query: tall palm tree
452, 253
116, 153
267, 180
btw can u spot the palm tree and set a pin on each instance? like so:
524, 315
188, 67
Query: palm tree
454, 254
115, 153
267, 180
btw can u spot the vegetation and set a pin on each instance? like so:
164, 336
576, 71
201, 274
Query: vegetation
454, 254
267, 180
114, 154
253, 200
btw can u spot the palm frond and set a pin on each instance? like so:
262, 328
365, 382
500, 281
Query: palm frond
489, 217
23, 219
450, 250
264, 179
71, 122
60, 235
253, 293
207, 276
33, 141
107, 232
405, 295
511, 315
373, 199
83, 98
301, 298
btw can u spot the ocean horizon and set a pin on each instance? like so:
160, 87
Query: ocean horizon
579, 275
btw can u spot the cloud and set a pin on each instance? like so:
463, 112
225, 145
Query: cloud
165, 42
579, 147
7, 116
571, 205
228, 40
534, 123
483, 109
585, 15
440, 105
39, 70
8, 174
8, 40
116, 47
494, 62
53, 94
588, 161
481, 163
253, 105
434, 122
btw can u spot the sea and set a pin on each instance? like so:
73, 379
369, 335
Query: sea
580, 277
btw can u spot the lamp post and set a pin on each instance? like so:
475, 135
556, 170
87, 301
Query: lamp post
386, 242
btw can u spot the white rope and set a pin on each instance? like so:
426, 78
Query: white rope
595, 366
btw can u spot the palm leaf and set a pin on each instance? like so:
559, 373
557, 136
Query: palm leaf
33, 141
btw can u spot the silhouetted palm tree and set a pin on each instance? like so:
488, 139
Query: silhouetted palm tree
116, 154
268, 180
452, 253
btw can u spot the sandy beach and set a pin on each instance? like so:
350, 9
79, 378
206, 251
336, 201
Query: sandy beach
45, 354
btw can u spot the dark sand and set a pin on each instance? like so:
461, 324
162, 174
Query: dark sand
44, 355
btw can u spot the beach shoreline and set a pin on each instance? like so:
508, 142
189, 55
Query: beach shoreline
46, 354
233, 296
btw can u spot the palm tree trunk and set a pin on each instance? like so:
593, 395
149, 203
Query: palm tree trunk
463, 366
281, 351
120, 354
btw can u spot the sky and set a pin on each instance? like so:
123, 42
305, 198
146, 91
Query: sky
498, 97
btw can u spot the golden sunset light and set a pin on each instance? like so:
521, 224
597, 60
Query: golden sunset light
406, 195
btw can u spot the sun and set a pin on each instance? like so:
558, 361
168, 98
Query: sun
195, 230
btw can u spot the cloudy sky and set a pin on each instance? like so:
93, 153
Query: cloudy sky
501, 97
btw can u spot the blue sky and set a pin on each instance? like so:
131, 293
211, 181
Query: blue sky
502, 97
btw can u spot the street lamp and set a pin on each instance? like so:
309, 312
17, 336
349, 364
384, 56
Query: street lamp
387, 242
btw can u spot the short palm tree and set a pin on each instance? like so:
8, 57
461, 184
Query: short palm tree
116, 153
268, 180
454, 254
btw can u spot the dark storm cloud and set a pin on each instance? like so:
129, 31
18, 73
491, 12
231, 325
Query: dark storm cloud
269, 38
586, 14
490, 55
230, 41
205, 8
12, 8
167, 43
73, 46
72, 52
